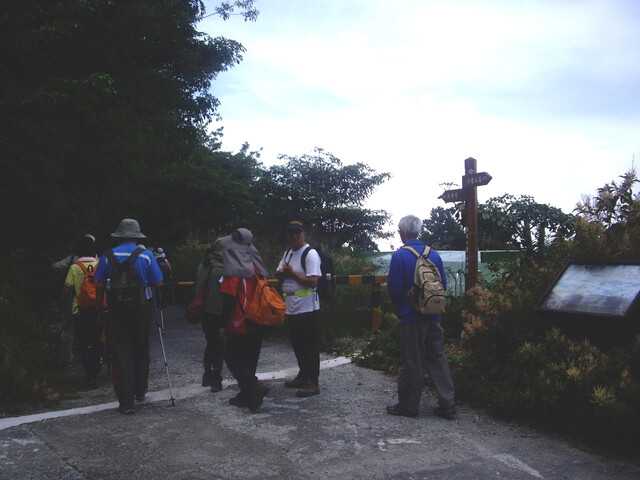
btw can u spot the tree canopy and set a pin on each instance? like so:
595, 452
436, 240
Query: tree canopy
442, 231
103, 104
608, 224
327, 195
520, 223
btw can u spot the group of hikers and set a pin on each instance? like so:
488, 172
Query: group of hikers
128, 277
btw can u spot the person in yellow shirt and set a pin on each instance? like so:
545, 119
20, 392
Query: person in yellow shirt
86, 319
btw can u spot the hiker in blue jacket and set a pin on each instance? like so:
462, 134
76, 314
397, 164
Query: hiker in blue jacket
129, 328
421, 336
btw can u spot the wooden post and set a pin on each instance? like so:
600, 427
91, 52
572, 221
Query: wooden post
469, 195
471, 211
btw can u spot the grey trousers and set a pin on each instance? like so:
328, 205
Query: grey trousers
422, 349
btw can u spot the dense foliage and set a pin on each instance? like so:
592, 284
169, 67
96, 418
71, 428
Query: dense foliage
328, 196
442, 231
105, 113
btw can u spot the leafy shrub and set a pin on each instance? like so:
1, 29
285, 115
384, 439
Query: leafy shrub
29, 340
382, 349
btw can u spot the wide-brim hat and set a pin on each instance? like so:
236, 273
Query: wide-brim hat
128, 228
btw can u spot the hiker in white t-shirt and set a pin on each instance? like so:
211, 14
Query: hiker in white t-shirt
299, 288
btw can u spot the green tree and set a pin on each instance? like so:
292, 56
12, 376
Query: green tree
442, 231
608, 224
327, 195
98, 100
521, 223
104, 110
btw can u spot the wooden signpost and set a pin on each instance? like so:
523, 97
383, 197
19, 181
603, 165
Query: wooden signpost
468, 194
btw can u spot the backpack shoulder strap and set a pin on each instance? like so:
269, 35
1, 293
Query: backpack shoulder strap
111, 257
132, 258
412, 250
83, 267
303, 260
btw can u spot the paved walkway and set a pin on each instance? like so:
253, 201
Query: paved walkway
344, 433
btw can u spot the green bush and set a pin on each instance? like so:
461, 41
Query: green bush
382, 348
29, 334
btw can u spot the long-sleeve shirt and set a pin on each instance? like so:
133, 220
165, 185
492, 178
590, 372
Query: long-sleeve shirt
401, 274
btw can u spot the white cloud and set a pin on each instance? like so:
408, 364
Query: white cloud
545, 94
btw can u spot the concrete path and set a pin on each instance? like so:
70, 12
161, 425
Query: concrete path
344, 433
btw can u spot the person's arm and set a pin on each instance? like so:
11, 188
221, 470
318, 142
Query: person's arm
66, 292
280, 273
395, 282
304, 280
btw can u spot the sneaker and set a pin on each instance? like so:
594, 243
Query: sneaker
399, 410
258, 392
127, 410
309, 390
295, 383
447, 413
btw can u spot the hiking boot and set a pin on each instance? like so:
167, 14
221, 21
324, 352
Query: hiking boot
258, 392
207, 378
240, 400
447, 413
295, 383
308, 390
127, 410
216, 386
399, 410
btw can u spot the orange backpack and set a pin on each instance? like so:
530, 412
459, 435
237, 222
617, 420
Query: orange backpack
87, 297
267, 306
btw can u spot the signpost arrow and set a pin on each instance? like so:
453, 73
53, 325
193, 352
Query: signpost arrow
475, 179
453, 195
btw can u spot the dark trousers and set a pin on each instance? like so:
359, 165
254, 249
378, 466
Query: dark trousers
304, 332
241, 354
88, 334
214, 351
129, 340
422, 349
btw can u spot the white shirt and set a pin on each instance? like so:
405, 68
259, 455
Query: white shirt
296, 304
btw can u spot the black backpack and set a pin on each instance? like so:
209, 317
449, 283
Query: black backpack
125, 290
326, 286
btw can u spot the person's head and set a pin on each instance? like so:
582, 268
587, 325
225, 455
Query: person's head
128, 231
86, 246
214, 253
296, 234
410, 228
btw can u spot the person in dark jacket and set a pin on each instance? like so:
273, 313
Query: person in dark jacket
208, 277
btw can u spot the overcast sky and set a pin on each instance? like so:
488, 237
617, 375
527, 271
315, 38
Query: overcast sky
544, 94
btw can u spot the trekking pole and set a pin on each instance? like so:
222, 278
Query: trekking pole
164, 355
161, 301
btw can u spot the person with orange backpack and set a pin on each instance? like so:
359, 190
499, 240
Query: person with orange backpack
80, 284
242, 263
